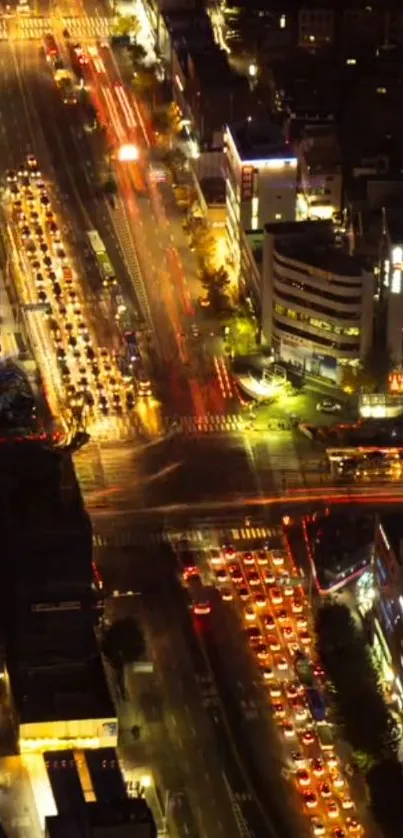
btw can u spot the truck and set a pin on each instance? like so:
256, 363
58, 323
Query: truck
316, 703
304, 669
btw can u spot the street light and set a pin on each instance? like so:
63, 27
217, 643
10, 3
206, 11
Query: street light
128, 153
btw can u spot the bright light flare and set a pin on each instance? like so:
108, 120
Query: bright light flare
128, 153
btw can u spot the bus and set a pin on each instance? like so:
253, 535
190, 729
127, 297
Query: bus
102, 259
316, 703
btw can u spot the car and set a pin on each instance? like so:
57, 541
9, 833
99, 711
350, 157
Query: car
308, 737
298, 758
249, 613
275, 690
346, 803
253, 578
262, 557
301, 623
248, 559
269, 623
282, 664
282, 616
228, 550
288, 730
260, 600
243, 594
267, 673
254, 634
277, 558
302, 777
226, 594
297, 605
337, 781
301, 712
328, 406
288, 633
338, 832
310, 799
235, 573
201, 609
332, 810
318, 827
276, 596
25, 232
274, 645
325, 790
305, 638
31, 161
11, 176
353, 826
222, 575
331, 761
278, 710
262, 651
293, 689
318, 769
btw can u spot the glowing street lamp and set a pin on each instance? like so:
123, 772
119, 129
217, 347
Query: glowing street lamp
128, 153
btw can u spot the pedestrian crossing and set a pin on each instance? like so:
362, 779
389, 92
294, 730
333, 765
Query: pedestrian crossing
198, 538
209, 424
34, 28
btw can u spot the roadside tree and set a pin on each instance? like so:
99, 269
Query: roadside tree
216, 287
123, 643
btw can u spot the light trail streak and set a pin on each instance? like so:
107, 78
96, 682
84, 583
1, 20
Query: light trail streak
228, 504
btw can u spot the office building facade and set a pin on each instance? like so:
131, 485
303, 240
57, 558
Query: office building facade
317, 302
261, 180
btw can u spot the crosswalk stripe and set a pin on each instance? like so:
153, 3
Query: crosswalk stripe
127, 538
211, 423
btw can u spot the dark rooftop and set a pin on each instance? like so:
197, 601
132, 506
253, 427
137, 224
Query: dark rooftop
53, 638
70, 693
259, 139
211, 66
213, 189
312, 242
131, 818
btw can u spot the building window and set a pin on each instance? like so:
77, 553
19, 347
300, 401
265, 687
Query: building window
283, 22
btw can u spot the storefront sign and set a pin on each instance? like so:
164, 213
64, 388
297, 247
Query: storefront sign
247, 183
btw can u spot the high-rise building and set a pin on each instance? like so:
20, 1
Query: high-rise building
317, 301
261, 180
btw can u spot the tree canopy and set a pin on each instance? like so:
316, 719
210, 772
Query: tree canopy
216, 286
123, 643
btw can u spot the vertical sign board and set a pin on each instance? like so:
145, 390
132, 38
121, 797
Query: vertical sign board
247, 183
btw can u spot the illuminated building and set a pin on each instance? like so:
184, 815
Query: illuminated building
379, 595
317, 301
91, 799
393, 291
261, 180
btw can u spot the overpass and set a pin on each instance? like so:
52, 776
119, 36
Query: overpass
35, 27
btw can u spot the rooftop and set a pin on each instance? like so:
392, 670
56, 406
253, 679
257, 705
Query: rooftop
312, 242
54, 638
259, 139
70, 693
211, 66
131, 818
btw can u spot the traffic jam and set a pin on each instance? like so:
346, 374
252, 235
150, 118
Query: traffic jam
265, 588
80, 375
